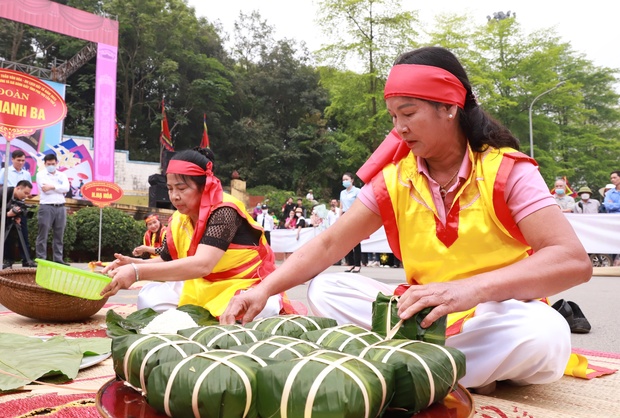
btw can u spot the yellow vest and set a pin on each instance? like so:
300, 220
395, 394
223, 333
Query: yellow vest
240, 267
479, 235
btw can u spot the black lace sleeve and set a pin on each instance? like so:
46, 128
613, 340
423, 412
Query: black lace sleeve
221, 228
163, 250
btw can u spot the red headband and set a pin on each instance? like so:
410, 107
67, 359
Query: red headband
150, 218
212, 195
425, 82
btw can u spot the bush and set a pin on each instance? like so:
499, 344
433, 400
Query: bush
33, 231
120, 233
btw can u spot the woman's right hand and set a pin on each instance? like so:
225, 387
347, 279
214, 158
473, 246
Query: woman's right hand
244, 306
121, 260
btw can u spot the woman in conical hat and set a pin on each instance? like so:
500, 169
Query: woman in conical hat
473, 222
213, 247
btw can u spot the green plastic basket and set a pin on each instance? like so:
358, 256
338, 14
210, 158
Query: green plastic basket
70, 280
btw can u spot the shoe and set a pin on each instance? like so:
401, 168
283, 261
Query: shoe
29, 264
574, 316
62, 262
580, 324
356, 269
7, 265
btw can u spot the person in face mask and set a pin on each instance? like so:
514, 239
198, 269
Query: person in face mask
347, 197
53, 185
265, 220
564, 201
586, 204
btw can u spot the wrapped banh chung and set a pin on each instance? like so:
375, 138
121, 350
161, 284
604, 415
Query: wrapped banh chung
223, 336
425, 372
325, 384
134, 355
279, 347
385, 318
219, 383
291, 325
346, 338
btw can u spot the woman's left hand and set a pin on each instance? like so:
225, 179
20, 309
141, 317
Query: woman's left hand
445, 298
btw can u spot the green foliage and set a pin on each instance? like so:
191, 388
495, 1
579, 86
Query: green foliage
69, 238
120, 233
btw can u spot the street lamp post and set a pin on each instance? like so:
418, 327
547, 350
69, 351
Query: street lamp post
531, 105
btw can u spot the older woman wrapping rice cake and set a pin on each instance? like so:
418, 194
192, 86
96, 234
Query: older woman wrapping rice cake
480, 237
213, 248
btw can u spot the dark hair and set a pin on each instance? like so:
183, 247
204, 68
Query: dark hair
18, 153
24, 183
350, 175
479, 127
199, 156
617, 173
50, 157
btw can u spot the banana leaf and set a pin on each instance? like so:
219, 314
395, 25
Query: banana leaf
219, 383
325, 384
385, 317
425, 372
223, 336
35, 358
348, 338
279, 347
117, 325
134, 356
291, 325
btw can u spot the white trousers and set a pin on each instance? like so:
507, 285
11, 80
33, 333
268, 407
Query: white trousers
524, 342
161, 296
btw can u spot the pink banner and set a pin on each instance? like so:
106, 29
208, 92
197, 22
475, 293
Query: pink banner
105, 105
56, 17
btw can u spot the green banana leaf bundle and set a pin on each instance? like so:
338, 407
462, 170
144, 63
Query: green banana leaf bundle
219, 383
223, 336
291, 325
425, 372
134, 356
325, 384
348, 338
385, 318
278, 347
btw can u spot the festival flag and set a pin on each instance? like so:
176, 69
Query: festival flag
569, 190
115, 128
205, 134
164, 136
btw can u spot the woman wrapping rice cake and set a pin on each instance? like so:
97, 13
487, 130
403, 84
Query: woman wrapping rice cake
473, 222
210, 238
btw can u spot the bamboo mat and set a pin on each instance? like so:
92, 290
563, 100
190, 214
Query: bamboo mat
568, 398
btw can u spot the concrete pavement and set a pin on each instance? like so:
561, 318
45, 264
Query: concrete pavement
597, 300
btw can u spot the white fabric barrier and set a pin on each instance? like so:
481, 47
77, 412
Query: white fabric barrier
599, 234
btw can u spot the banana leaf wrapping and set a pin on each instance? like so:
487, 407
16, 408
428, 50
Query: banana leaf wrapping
325, 384
385, 318
219, 383
348, 338
224, 336
134, 356
425, 372
279, 347
291, 325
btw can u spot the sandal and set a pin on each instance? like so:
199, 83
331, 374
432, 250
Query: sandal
359, 269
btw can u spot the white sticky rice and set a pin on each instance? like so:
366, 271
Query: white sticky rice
169, 322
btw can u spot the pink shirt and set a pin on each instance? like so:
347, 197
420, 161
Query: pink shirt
525, 193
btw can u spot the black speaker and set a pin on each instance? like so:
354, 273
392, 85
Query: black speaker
165, 159
158, 197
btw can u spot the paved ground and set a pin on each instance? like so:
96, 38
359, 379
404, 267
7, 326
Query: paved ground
596, 298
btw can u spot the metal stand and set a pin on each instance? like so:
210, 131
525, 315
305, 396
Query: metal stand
22, 241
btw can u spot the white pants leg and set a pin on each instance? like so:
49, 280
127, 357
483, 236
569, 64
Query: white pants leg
161, 296
525, 342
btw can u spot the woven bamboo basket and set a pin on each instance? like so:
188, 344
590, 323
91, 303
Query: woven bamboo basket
20, 293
